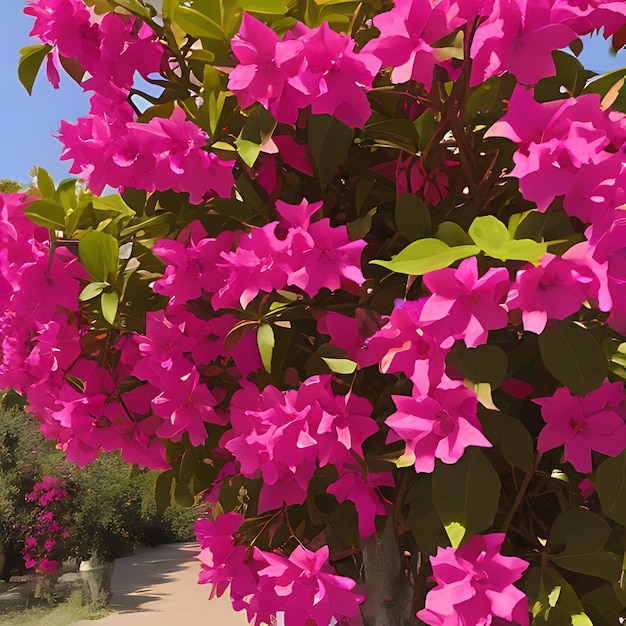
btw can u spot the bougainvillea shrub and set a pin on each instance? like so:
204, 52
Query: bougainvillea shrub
364, 275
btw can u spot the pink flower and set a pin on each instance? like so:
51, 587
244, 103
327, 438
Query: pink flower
464, 306
309, 67
407, 33
594, 421
553, 290
440, 426
475, 585
518, 37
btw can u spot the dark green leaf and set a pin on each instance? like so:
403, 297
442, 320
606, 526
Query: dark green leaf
466, 494
603, 606
426, 255
397, 133
266, 342
329, 142
31, 58
483, 364
99, 254
602, 84
610, 483
424, 521
577, 543
109, 301
511, 435
412, 217
573, 356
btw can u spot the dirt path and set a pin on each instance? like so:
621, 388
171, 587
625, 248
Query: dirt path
158, 587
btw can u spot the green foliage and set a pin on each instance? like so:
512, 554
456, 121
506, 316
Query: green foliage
466, 495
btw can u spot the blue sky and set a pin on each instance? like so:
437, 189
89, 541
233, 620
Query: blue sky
30, 122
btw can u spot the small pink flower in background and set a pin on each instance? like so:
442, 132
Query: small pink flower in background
441, 425
594, 421
475, 584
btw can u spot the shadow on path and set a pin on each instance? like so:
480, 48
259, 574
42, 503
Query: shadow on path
158, 586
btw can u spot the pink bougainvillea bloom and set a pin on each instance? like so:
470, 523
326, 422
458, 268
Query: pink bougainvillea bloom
475, 585
405, 345
555, 141
441, 425
553, 290
518, 37
603, 16
407, 33
464, 306
308, 67
594, 421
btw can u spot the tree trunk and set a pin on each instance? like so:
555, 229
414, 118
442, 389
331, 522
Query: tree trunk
389, 590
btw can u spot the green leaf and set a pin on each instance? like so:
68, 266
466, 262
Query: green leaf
340, 366
91, 291
466, 494
45, 184
395, 133
99, 254
426, 255
268, 7
452, 234
610, 483
109, 301
113, 203
47, 213
424, 521
602, 84
266, 342
494, 239
412, 217
582, 534
169, 9
31, 58
329, 142
552, 600
573, 356
248, 151
603, 606
511, 435
163, 490
197, 24
483, 364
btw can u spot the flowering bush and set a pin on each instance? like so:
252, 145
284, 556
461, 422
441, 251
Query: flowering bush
48, 529
364, 276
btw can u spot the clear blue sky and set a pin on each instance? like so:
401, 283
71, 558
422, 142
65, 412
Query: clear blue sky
30, 122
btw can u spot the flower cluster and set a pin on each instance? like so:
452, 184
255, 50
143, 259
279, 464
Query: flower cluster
109, 146
309, 67
46, 531
284, 436
475, 585
300, 587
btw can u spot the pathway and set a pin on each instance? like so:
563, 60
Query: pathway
158, 587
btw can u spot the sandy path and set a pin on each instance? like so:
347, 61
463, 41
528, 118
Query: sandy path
158, 586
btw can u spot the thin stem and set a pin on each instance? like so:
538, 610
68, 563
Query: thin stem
520, 494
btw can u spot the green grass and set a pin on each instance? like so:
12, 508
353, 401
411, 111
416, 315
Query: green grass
67, 612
